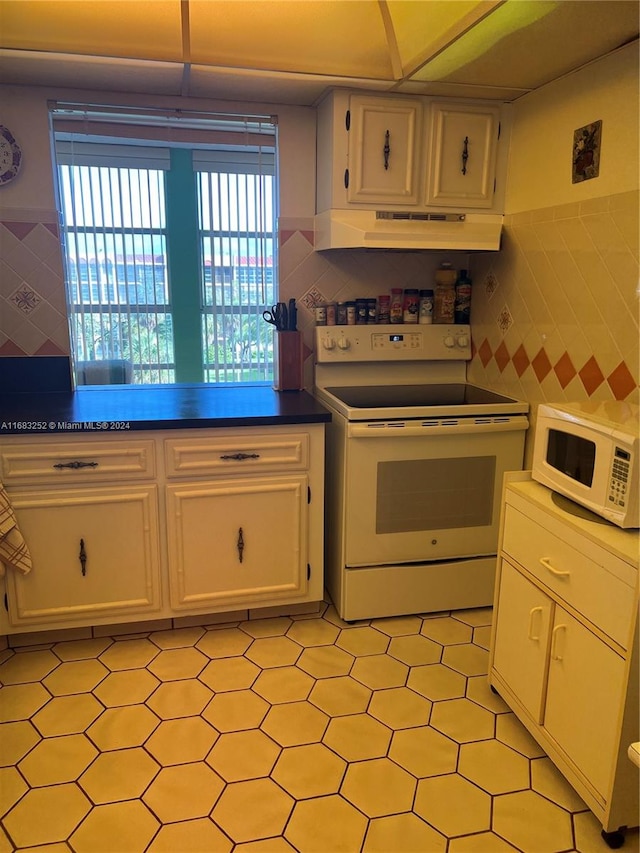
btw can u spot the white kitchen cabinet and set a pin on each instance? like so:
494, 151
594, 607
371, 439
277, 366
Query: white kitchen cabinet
564, 649
464, 145
397, 153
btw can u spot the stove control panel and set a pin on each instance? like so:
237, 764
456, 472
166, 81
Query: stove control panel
398, 342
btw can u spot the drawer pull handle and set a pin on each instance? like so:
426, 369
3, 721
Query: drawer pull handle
76, 464
545, 562
240, 544
241, 456
532, 615
555, 654
83, 558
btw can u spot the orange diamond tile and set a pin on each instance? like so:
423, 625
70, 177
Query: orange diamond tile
502, 356
564, 370
485, 352
591, 376
521, 360
621, 381
541, 365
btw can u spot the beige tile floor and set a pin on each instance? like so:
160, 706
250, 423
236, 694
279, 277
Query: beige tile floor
280, 734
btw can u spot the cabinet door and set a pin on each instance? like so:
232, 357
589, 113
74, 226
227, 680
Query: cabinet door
463, 155
237, 541
584, 697
383, 150
115, 529
522, 639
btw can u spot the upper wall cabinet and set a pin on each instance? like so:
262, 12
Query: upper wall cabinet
394, 152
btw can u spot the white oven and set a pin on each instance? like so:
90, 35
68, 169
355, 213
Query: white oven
415, 461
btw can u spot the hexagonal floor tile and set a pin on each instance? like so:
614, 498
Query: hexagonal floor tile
127, 687
437, 682
129, 654
325, 661
467, 659
326, 823
190, 836
452, 805
481, 842
313, 632
16, 739
179, 699
378, 787
66, 715
57, 759
339, 696
462, 720
182, 740
224, 642
547, 780
254, 809
177, 638
415, 650
12, 787
21, 701
46, 815
183, 792
27, 666
273, 651
399, 708
283, 684
362, 641
275, 626
311, 770
115, 826
402, 833
75, 677
235, 711
479, 691
266, 845
424, 752
237, 756
119, 775
531, 822
510, 730
398, 626
379, 671
119, 728
482, 636
82, 649
295, 723
494, 767
357, 737
172, 664
446, 630
235, 673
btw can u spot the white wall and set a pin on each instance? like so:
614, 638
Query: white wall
542, 134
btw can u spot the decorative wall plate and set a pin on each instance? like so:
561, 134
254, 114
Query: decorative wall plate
10, 156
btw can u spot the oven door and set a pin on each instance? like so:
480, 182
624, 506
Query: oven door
427, 490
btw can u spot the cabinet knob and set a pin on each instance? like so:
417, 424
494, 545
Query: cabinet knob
76, 464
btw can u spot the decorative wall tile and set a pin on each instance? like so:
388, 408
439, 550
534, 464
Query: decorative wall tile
25, 298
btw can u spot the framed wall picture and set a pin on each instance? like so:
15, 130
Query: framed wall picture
587, 142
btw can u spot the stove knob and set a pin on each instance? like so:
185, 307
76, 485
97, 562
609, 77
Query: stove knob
449, 341
328, 343
463, 340
343, 343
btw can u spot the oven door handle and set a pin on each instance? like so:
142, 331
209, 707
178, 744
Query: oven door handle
441, 426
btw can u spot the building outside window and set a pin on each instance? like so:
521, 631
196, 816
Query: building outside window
168, 225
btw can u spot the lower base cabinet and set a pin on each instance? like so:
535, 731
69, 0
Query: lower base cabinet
564, 648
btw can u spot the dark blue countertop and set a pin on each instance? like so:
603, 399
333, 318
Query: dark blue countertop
120, 408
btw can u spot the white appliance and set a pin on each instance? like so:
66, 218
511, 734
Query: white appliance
588, 452
415, 461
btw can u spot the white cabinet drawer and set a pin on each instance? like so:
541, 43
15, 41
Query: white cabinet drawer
76, 461
574, 569
222, 455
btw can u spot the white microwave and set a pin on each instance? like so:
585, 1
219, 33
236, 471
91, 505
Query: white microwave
588, 452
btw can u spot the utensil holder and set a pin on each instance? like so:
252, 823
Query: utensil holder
288, 358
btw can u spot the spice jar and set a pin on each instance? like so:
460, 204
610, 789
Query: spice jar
361, 312
384, 304
445, 294
410, 305
425, 312
462, 307
395, 305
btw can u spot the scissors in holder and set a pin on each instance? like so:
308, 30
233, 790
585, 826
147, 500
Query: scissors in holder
277, 316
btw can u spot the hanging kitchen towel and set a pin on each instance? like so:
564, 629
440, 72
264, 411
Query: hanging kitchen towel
13, 549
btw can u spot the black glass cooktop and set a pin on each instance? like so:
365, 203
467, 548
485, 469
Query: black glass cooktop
404, 396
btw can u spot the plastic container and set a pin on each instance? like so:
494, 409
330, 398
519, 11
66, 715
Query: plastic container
425, 312
410, 305
462, 307
384, 305
445, 295
372, 311
341, 314
395, 305
361, 312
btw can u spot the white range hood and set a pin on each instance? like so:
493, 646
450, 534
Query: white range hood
383, 229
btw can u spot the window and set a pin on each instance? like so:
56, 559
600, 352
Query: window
168, 229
